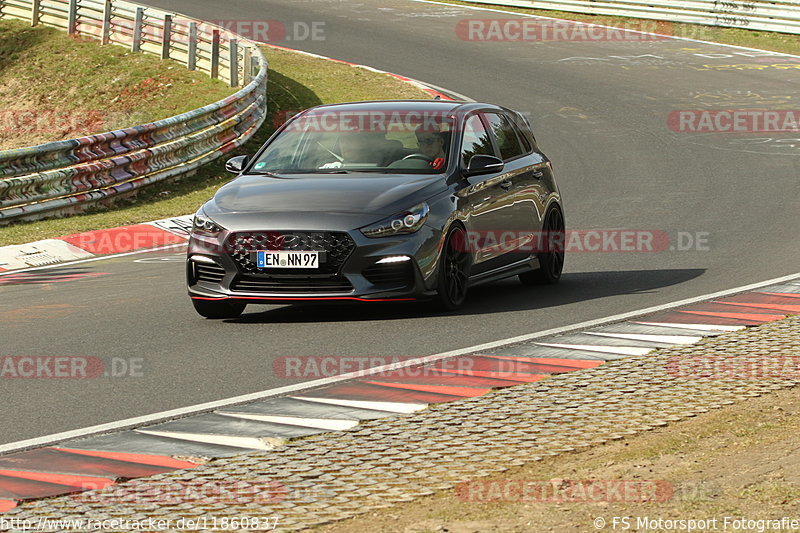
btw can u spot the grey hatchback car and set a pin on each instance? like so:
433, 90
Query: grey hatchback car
382, 201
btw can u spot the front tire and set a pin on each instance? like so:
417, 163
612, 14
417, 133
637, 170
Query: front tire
451, 290
551, 261
217, 309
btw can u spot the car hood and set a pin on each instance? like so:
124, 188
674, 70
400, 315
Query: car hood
317, 202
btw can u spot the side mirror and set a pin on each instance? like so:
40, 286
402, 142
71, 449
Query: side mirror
234, 165
484, 164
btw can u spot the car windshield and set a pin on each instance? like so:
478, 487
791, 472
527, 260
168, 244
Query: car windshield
336, 143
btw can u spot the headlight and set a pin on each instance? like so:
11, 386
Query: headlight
406, 222
204, 225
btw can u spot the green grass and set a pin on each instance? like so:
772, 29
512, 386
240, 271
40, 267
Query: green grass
777, 42
98, 88
296, 82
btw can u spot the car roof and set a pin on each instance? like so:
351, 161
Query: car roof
434, 106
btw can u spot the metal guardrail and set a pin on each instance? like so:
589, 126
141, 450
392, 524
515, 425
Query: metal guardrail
65, 176
762, 15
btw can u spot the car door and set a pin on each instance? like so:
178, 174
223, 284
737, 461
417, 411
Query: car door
524, 193
484, 198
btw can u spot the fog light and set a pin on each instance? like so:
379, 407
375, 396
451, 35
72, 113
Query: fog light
202, 259
394, 259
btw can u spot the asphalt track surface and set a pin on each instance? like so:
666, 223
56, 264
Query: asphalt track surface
600, 112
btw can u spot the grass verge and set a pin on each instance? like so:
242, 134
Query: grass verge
296, 82
765, 40
55, 87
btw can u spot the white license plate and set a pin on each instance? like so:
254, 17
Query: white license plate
285, 259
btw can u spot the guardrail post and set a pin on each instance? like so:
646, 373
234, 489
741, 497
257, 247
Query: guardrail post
191, 61
247, 68
214, 54
35, 8
233, 63
138, 22
72, 17
106, 36
165, 39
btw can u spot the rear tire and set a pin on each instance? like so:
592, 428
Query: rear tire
551, 261
218, 308
454, 265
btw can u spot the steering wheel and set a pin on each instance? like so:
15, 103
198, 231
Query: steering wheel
419, 156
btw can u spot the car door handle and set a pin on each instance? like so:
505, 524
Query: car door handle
505, 184
537, 174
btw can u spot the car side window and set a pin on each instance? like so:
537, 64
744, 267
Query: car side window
519, 127
475, 140
505, 136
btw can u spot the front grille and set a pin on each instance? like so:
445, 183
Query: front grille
209, 273
336, 247
292, 284
390, 273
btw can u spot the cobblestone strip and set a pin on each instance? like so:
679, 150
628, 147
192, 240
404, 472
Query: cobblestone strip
333, 476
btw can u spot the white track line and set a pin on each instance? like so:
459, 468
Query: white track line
332, 424
665, 339
377, 405
458, 96
616, 350
421, 84
250, 443
699, 327
210, 406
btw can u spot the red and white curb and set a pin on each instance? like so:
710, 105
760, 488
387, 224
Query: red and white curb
79, 247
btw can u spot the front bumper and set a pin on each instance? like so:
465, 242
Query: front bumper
219, 271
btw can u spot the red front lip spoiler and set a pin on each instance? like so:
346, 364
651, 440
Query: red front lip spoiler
316, 299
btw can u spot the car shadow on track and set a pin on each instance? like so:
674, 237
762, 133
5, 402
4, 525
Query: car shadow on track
499, 297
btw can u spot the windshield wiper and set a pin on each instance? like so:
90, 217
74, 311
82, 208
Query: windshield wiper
279, 173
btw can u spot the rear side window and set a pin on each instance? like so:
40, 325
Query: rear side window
505, 136
520, 127
476, 140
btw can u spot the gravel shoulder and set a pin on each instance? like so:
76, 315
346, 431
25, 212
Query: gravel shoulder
742, 461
